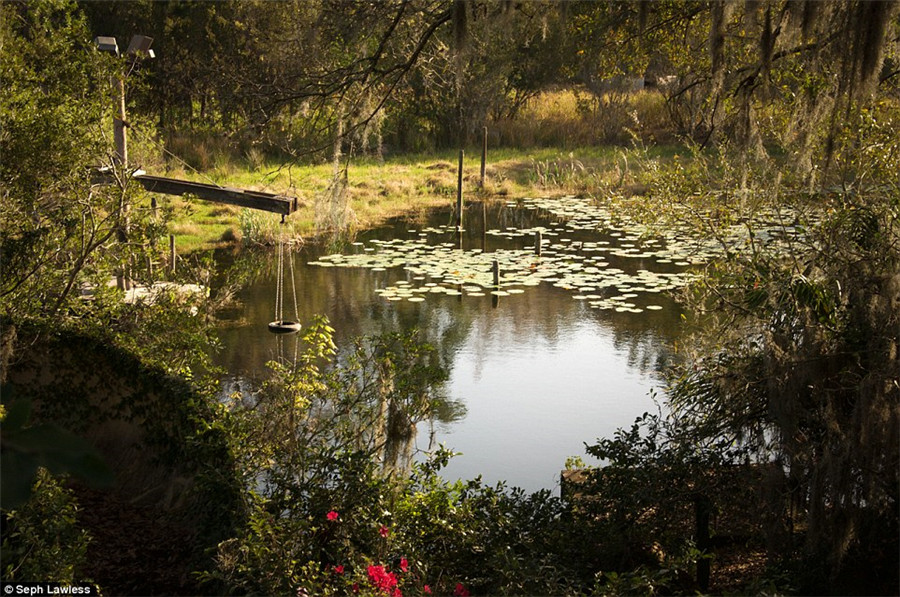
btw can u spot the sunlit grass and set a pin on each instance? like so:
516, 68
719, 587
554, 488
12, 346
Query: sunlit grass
379, 190
568, 150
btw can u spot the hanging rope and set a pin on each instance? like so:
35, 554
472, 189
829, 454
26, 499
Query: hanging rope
279, 281
279, 325
296, 306
293, 285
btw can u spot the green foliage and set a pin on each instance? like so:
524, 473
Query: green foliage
322, 449
26, 449
639, 507
256, 228
797, 358
57, 229
492, 539
50, 112
42, 541
793, 381
509, 55
672, 576
99, 380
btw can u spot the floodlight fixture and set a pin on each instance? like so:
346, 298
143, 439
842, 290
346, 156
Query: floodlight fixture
107, 44
140, 47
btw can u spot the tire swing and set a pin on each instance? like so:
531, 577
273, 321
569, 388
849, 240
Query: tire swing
280, 325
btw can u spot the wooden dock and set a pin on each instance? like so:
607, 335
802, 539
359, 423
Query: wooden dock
279, 204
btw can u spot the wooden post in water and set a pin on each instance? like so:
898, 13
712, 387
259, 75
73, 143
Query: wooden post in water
483, 155
172, 255
459, 193
495, 296
483, 226
538, 239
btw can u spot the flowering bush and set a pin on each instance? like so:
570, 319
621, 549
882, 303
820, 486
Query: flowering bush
332, 521
383, 580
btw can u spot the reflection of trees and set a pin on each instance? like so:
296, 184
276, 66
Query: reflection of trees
544, 318
345, 296
541, 316
306, 411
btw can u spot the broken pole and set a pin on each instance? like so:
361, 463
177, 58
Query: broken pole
459, 192
495, 294
538, 239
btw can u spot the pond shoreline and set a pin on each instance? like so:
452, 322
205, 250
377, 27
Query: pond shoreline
379, 191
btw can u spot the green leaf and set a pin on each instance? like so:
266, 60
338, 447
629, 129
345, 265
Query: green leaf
17, 472
17, 413
59, 451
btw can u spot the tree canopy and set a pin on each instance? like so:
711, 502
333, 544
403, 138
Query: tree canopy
793, 373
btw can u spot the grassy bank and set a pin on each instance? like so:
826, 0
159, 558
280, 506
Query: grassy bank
379, 190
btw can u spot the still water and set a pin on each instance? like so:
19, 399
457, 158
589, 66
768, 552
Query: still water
538, 372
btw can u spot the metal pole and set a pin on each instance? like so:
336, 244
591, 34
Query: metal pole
121, 158
119, 124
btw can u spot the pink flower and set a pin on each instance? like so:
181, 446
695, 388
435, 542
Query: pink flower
426, 589
339, 569
383, 580
332, 515
404, 564
384, 531
460, 591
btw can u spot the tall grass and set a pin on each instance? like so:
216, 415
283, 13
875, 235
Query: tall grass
572, 117
562, 141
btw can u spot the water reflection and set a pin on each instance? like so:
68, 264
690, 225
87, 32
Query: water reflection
537, 374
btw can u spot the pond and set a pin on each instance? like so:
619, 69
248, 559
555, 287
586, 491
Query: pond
569, 347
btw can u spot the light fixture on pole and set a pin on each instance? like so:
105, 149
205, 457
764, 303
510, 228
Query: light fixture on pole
139, 47
107, 44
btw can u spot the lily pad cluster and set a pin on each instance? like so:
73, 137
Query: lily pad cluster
602, 258
676, 244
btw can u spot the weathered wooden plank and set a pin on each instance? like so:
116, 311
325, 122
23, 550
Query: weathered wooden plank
279, 204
